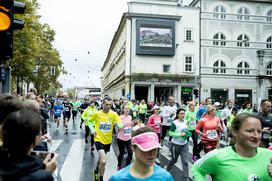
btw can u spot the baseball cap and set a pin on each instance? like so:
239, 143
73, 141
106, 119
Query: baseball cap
146, 141
216, 104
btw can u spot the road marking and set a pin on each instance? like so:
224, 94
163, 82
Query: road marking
72, 166
55, 145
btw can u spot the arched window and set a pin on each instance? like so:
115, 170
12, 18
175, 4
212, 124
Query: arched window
243, 14
243, 41
218, 39
243, 68
219, 67
219, 12
269, 69
269, 16
269, 42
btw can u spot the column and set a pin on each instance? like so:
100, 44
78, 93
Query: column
178, 93
151, 92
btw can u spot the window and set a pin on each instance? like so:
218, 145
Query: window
188, 35
243, 68
188, 64
269, 16
269, 42
269, 69
166, 68
243, 41
219, 67
220, 12
219, 39
243, 14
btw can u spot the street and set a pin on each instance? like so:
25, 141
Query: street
76, 163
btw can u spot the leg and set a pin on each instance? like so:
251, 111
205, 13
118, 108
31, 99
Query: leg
184, 155
121, 146
102, 162
195, 150
129, 151
164, 131
175, 151
87, 133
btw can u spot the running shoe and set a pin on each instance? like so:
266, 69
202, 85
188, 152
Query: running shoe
96, 176
92, 148
86, 140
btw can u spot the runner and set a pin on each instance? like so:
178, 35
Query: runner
245, 160
190, 117
103, 122
57, 113
142, 110
168, 115
82, 108
86, 115
211, 128
180, 147
67, 108
76, 105
154, 122
124, 138
145, 144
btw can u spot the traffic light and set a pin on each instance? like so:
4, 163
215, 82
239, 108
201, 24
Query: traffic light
7, 24
196, 93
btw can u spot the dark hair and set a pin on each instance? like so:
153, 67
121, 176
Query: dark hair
234, 109
245, 104
207, 99
19, 132
141, 130
8, 104
264, 100
240, 119
107, 98
178, 111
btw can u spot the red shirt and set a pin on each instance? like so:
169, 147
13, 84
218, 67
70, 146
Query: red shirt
154, 122
211, 127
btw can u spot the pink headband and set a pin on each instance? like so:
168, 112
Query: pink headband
146, 141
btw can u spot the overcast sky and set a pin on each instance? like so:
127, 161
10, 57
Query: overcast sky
84, 30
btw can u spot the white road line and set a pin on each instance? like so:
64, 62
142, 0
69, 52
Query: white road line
72, 166
111, 165
55, 144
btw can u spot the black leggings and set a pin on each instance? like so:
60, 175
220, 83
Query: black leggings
122, 145
164, 131
195, 148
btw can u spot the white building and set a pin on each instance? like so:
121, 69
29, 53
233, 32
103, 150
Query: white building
154, 53
236, 44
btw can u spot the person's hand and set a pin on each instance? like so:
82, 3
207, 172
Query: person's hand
50, 163
183, 134
46, 138
270, 167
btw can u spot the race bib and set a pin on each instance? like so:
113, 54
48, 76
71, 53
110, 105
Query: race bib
66, 109
58, 111
212, 134
127, 131
266, 135
169, 120
192, 124
253, 177
105, 127
157, 124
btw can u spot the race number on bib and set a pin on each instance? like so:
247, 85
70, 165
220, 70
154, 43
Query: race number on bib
212, 134
105, 127
66, 109
157, 124
127, 131
192, 124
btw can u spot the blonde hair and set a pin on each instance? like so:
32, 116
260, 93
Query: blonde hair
209, 108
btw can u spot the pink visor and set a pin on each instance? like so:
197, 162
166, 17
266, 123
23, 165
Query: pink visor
146, 141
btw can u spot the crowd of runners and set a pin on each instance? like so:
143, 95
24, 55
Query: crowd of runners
141, 129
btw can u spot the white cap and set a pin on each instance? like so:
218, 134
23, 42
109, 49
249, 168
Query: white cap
216, 104
155, 107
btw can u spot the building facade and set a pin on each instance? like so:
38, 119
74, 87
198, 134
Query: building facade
154, 53
235, 49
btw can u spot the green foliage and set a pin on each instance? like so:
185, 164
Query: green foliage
71, 93
33, 52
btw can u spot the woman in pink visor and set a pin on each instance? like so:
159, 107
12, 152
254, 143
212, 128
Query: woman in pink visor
145, 144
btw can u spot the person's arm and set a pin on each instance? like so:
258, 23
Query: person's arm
199, 113
199, 125
85, 115
118, 121
207, 165
173, 133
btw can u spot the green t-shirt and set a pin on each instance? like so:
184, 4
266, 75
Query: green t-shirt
225, 164
75, 105
142, 108
190, 117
